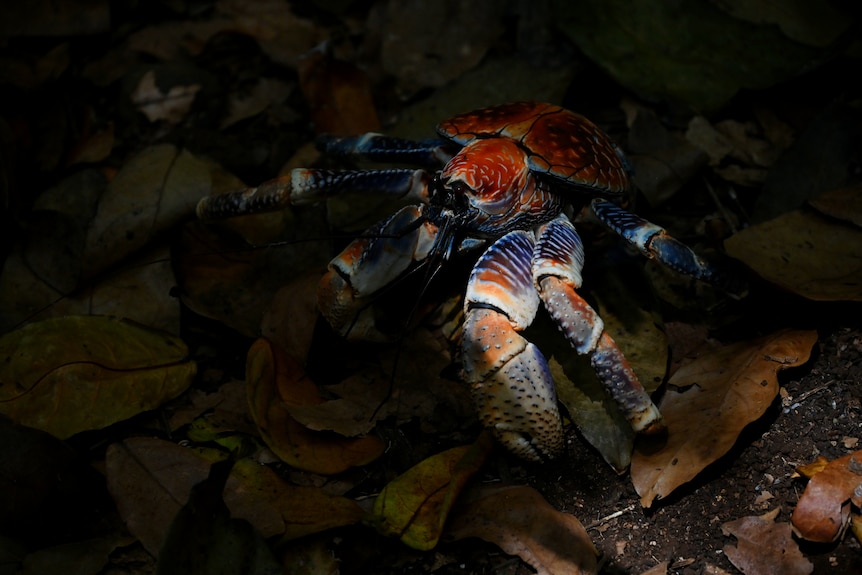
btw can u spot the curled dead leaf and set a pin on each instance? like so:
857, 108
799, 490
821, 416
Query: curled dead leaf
274, 379
521, 522
823, 511
708, 403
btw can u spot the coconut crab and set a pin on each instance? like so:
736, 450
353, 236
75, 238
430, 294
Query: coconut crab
496, 182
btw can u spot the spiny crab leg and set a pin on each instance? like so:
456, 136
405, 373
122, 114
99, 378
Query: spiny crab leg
511, 384
655, 243
369, 264
556, 267
381, 148
307, 186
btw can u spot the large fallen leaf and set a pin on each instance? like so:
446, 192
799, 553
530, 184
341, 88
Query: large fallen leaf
765, 547
843, 204
804, 253
708, 403
154, 191
823, 511
150, 480
414, 506
274, 379
71, 374
522, 523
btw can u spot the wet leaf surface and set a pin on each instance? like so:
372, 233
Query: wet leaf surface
76, 373
708, 403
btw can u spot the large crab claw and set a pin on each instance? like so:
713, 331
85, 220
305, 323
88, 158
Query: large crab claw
510, 380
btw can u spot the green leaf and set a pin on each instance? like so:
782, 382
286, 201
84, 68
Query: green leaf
71, 374
414, 506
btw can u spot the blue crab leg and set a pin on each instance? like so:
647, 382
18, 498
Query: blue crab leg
512, 387
306, 186
556, 267
367, 265
380, 148
655, 243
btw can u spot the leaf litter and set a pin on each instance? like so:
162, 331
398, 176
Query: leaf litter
285, 37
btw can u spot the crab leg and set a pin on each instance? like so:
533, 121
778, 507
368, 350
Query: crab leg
511, 384
556, 267
367, 265
306, 186
655, 243
380, 148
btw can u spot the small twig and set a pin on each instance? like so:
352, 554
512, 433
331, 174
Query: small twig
607, 518
806, 394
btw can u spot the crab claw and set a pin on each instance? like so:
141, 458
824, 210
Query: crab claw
512, 387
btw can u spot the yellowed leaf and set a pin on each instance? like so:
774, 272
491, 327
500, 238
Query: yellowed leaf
823, 511
71, 374
522, 523
765, 547
708, 403
414, 506
274, 379
804, 253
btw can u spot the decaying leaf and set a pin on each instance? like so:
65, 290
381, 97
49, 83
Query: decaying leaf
204, 538
150, 479
170, 106
414, 506
765, 547
823, 511
522, 523
709, 402
804, 253
71, 374
274, 379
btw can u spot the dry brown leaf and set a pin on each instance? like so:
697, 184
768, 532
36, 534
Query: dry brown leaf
709, 402
823, 511
804, 253
71, 374
274, 379
522, 523
338, 95
843, 203
765, 547
267, 92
